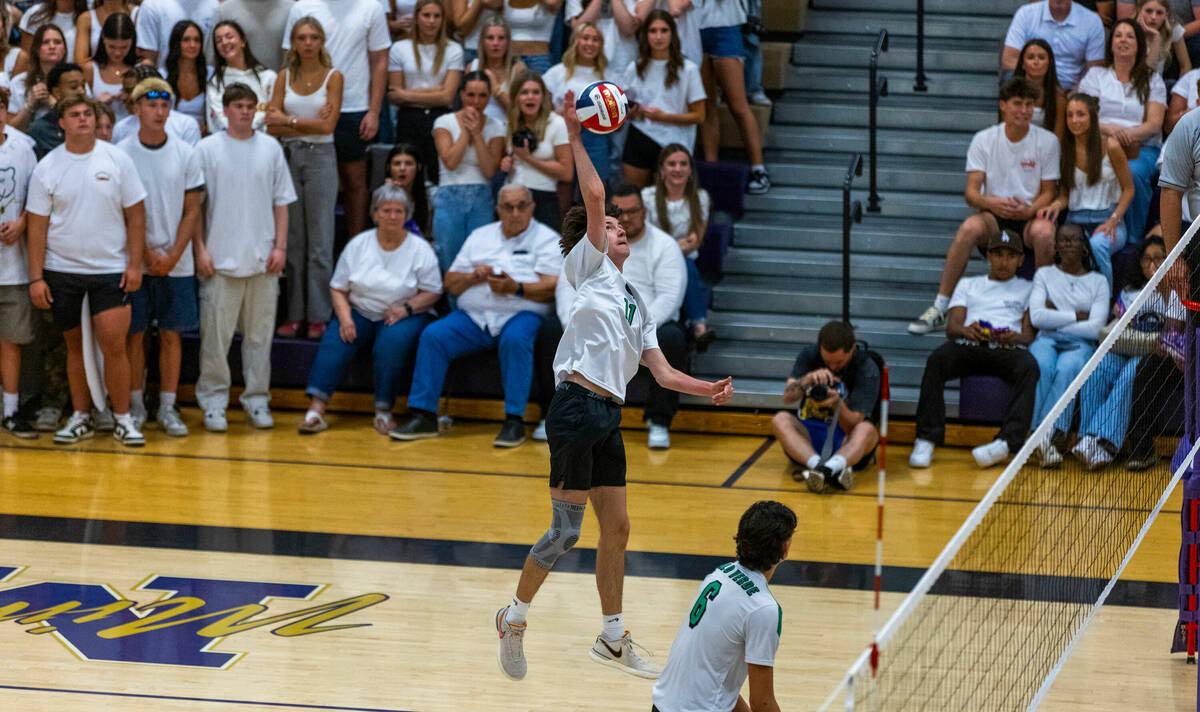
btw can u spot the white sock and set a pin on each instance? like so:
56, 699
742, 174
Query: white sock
11, 402
381, 413
517, 612
941, 302
137, 402
614, 627
166, 400
813, 461
758, 167
311, 414
836, 464
125, 419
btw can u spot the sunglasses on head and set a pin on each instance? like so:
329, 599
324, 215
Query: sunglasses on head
157, 94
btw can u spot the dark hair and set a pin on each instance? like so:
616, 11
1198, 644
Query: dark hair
175, 55
55, 76
1139, 76
836, 336
475, 76
1019, 87
574, 225
1137, 280
45, 12
219, 63
35, 72
691, 192
72, 101
625, 189
118, 26
761, 534
1095, 147
674, 54
106, 110
1049, 82
419, 210
5, 96
237, 92
1088, 258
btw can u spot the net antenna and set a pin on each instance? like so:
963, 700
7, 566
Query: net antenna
992, 621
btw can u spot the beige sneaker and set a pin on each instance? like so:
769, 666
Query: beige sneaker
626, 656
510, 651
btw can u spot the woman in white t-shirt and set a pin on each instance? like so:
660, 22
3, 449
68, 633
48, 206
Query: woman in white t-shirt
399, 14
532, 24
187, 70
28, 89
583, 64
1068, 306
114, 56
1036, 63
236, 63
687, 23
303, 112
469, 146
495, 58
90, 23
615, 20
469, 18
1185, 96
384, 285
424, 71
62, 14
666, 97
539, 153
1133, 102
1164, 37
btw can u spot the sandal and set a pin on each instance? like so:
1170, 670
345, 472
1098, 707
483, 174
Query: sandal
313, 425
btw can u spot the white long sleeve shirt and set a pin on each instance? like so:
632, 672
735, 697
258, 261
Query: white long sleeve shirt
1069, 293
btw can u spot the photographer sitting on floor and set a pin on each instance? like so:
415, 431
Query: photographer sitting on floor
836, 385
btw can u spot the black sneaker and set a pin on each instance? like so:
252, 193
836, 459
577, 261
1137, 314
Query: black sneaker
759, 183
512, 433
421, 426
1139, 462
18, 427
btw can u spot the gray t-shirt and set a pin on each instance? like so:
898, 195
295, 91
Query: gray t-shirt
263, 21
1181, 160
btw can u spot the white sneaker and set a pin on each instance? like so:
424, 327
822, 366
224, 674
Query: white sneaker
760, 182
169, 420
624, 655
510, 651
47, 419
990, 454
760, 98
922, 454
79, 427
214, 421
1049, 455
129, 434
260, 417
930, 320
103, 419
139, 418
539, 433
1093, 455
659, 437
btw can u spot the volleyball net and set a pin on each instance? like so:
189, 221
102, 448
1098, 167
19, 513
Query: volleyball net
992, 621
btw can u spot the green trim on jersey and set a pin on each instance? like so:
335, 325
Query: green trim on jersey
779, 630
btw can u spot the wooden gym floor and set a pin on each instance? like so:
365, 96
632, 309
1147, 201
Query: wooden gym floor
393, 558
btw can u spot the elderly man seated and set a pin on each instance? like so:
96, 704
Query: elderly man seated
504, 278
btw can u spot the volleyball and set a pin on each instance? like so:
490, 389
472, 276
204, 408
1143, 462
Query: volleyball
602, 107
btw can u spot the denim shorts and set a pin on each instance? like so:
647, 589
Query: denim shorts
723, 41
169, 301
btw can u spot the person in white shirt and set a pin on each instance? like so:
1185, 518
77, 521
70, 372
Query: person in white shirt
424, 72
29, 94
235, 63
174, 180
1164, 36
495, 58
539, 154
732, 630
89, 25
385, 284
1075, 33
1012, 173
357, 39
17, 318
186, 70
583, 64
687, 19
179, 125
503, 278
1068, 306
532, 23
264, 21
1185, 14
63, 14
988, 332
115, 55
86, 231
469, 19
609, 332
239, 260
156, 20
617, 23
1133, 103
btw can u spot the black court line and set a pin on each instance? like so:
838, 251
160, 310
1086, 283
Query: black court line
539, 476
442, 552
175, 698
741, 470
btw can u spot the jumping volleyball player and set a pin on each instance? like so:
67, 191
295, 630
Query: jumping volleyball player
607, 334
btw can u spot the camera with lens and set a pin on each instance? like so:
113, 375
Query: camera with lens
818, 392
754, 26
524, 138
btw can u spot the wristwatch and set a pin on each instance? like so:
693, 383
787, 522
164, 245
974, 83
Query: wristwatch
408, 308
520, 290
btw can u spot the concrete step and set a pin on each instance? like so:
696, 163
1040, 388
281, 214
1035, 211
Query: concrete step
958, 25
765, 394
882, 335
979, 8
900, 57
821, 297
894, 174
760, 359
856, 80
805, 264
890, 114
893, 142
824, 232
895, 204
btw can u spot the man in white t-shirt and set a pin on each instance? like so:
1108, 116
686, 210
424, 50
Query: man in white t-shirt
179, 124
18, 321
1075, 33
732, 630
356, 36
156, 19
174, 180
504, 277
988, 333
1012, 173
86, 231
249, 189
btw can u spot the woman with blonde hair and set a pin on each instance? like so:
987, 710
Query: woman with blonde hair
424, 71
539, 152
303, 112
1164, 37
495, 59
583, 64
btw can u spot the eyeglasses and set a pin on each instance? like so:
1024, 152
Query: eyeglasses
1152, 260
631, 212
513, 207
156, 94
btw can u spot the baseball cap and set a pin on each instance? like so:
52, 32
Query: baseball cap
1006, 239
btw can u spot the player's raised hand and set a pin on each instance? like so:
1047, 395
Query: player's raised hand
722, 391
571, 115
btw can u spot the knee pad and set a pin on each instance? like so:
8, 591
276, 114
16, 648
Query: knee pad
565, 523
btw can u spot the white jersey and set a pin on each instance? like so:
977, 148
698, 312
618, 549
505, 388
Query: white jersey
735, 621
608, 325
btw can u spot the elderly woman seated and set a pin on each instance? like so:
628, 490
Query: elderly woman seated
383, 288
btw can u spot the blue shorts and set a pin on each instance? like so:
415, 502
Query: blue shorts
818, 430
723, 42
168, 301
350, 148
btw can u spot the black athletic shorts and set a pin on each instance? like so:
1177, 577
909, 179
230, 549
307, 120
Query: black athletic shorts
584, 433
104, 292
641, 151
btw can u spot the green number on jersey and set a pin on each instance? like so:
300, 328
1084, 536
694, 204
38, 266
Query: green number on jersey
630, 310
709, 593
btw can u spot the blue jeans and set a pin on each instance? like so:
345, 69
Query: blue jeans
1105, 398
695, 296
537, 63
616, 150
392, 348
1059, 358
752, 67
597, 147
456, 335
457, 210
1143, 169
1103, 246
470, 54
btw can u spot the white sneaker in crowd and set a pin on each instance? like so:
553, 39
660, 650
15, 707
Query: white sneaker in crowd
990, 454
78, 428
128, 434
759, 98
1093, 455
539, 433
47, 419
659, 437
173, 425
103, 419
932, 319
922, 454
1048, 455
214, 421
260, 417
